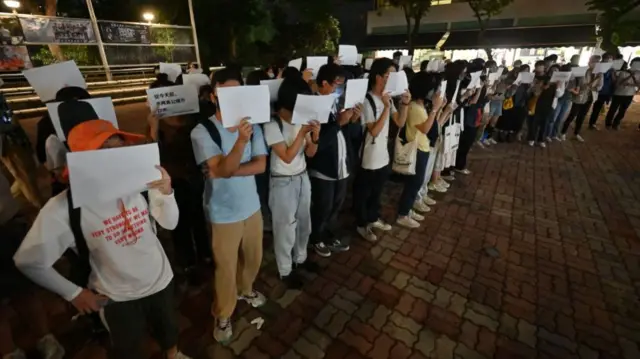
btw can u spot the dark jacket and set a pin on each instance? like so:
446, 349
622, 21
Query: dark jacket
326, 159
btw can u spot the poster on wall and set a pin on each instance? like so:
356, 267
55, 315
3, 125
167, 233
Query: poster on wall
13, 58
124, 33
57, 30
10, 31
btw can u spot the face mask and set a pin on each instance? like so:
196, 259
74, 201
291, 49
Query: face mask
271, 75
338, 91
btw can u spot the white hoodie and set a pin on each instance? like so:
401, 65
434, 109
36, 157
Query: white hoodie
123, 268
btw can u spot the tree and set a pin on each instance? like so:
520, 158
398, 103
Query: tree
614, 27
414, 10
484, 10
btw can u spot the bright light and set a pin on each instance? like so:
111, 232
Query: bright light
12, 4
148, 16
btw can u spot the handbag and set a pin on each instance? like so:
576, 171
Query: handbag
508, 103
405, 156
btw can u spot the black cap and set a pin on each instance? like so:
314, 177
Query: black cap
75, 112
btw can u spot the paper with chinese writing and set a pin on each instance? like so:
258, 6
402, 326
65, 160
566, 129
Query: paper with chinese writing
274, 87
367, 63
103, 176
315, 63
48, 80
103, 106
195, 80
348, 55
397, 83
297, 63
405, 61
172, 70
617, 64
173, 100
560, 76
579, 71
602, 67
238, 102
309, 108
356, 92
525, 78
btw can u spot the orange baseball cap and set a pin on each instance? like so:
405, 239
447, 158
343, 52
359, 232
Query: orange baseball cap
91, 135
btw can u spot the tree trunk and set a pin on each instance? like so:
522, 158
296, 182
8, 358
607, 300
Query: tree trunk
414, 34
482, 42
233, 42
409, 32
606, 32
51, 10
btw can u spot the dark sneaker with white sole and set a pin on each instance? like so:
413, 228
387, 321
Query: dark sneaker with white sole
322, 250
338, 246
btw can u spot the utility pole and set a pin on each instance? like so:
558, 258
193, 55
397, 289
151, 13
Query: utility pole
96, 30
195, 33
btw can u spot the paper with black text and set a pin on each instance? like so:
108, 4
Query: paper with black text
355, 93
617, 64
297, 63
405, 61
602, 67
238, 102
315, 63
173, 100
525, 78
105, 175
172, 70
348, 55
560, 76
367, 63
312, 108
48, 80
103, 106
397, 83
274, 87
196, 80
579, 71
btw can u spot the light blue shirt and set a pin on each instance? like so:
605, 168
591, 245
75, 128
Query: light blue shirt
228, 200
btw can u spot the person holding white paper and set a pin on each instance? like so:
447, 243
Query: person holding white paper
627, 84
375, 168
582, 100
329, 168
563, 105
111, 239
605, 93
544, 107
496, 97
231, 158
290, 195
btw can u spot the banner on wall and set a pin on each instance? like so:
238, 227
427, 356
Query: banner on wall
10, 31
13, 58
124, 33
57, 30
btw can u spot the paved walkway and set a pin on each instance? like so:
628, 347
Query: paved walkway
535, 255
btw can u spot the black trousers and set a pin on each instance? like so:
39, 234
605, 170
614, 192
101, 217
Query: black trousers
467, 137
367, 190
578, 112
327, 198
597, 107
617, 110
413, 184
127, 324
190, 237
538, 124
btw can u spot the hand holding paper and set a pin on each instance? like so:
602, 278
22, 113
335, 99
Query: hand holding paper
579, 71
174, 100
560, 76
602, 67
397, 83
309, 108
240, 102
356, 92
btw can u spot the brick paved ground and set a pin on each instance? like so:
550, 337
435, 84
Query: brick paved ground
565, 222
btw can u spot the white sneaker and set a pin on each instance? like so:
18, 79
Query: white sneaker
421, 207
549, 139
579, 138
222, 330
492, 141
381, 225
50, 348
442, 183
543, 145
557, 138
407, 222
367, 233
465, 172
531, 143
437, 188
255, 299
429, 201
563, 138
416, 216
480, 144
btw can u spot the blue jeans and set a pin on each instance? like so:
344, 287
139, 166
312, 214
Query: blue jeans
412, 185
554, 123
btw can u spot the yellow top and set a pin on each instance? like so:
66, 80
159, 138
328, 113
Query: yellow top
417, 115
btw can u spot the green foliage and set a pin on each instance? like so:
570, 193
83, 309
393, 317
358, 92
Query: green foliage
413, 10
82, 55
615, 26
484, 10
164, 36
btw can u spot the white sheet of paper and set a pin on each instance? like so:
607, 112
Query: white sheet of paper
602, 67
274, 87
195, 80
297, 63
105, 175
442, 67
367, 63
48, 80
397, 83
525, 78
355, 93
172, 70
405, 61
360, 56
454, 99
475, 79
173, 100
493, 77
579, 71
315, 63
434, 65
560, 76
310, 107
617, 64
348, 55
238, 102
103, 106
443, 88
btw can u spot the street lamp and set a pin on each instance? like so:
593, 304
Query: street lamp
147, 16
12, 4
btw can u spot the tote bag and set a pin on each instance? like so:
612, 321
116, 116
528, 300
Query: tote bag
405, 156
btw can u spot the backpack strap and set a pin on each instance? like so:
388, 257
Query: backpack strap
211, 128
152, 221
83, 268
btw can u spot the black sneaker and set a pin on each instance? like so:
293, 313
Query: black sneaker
338, 246
322, 250
293, 281
593, 127
308, 266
